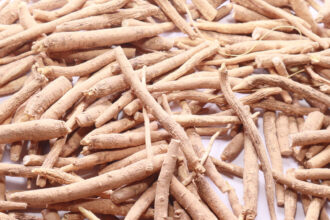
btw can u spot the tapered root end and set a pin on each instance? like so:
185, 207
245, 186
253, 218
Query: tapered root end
26, 160
241, 86
85, 142
67, 168
256, 35
286, 152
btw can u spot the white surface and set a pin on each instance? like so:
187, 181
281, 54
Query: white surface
13, 183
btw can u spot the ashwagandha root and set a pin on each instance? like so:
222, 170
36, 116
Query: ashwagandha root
208, 195
52, 15
157, 149
33, 130
118, 83
37, 105
108, 115
273, 147
110, 141
100, 158
106, 20
110, 181
234, 148
100, 206
83, 69
6, 205
189, 201
250, 180
282, 131
303, 187
37, 30
173, 128
170, 11
105, 37
10, 105
13, 86
142, 203
290, 202
285, 83
252, 132
288, 109
312, 174
88, 117
310, 137
131, 191
164, 179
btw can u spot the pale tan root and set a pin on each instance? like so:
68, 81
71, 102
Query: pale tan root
267, 34
140, 155
50, 214
51, 159
111, 141
273, 147
104, 182
303, 187
16, 69
288, 84
10, 105
37, 105
282, 131
48, 5
69, 7
98, 38
25, 17
113, 110
83, 69
37, 160
189, 201
96, 158
7, 206
48, 27
90, 215
131, 191
99, 206
250, 180
206, 9
106, 20
223, 11
58, 109
9, 13
33, 130
290, 204
241, 28
170, 11
118, 83
88, 117
234, 148
209, 196
252, 131
157, 43
310, 137
164, 180
167, 122
242, 14
179, 212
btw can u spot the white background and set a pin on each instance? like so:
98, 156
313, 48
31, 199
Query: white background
263, 214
